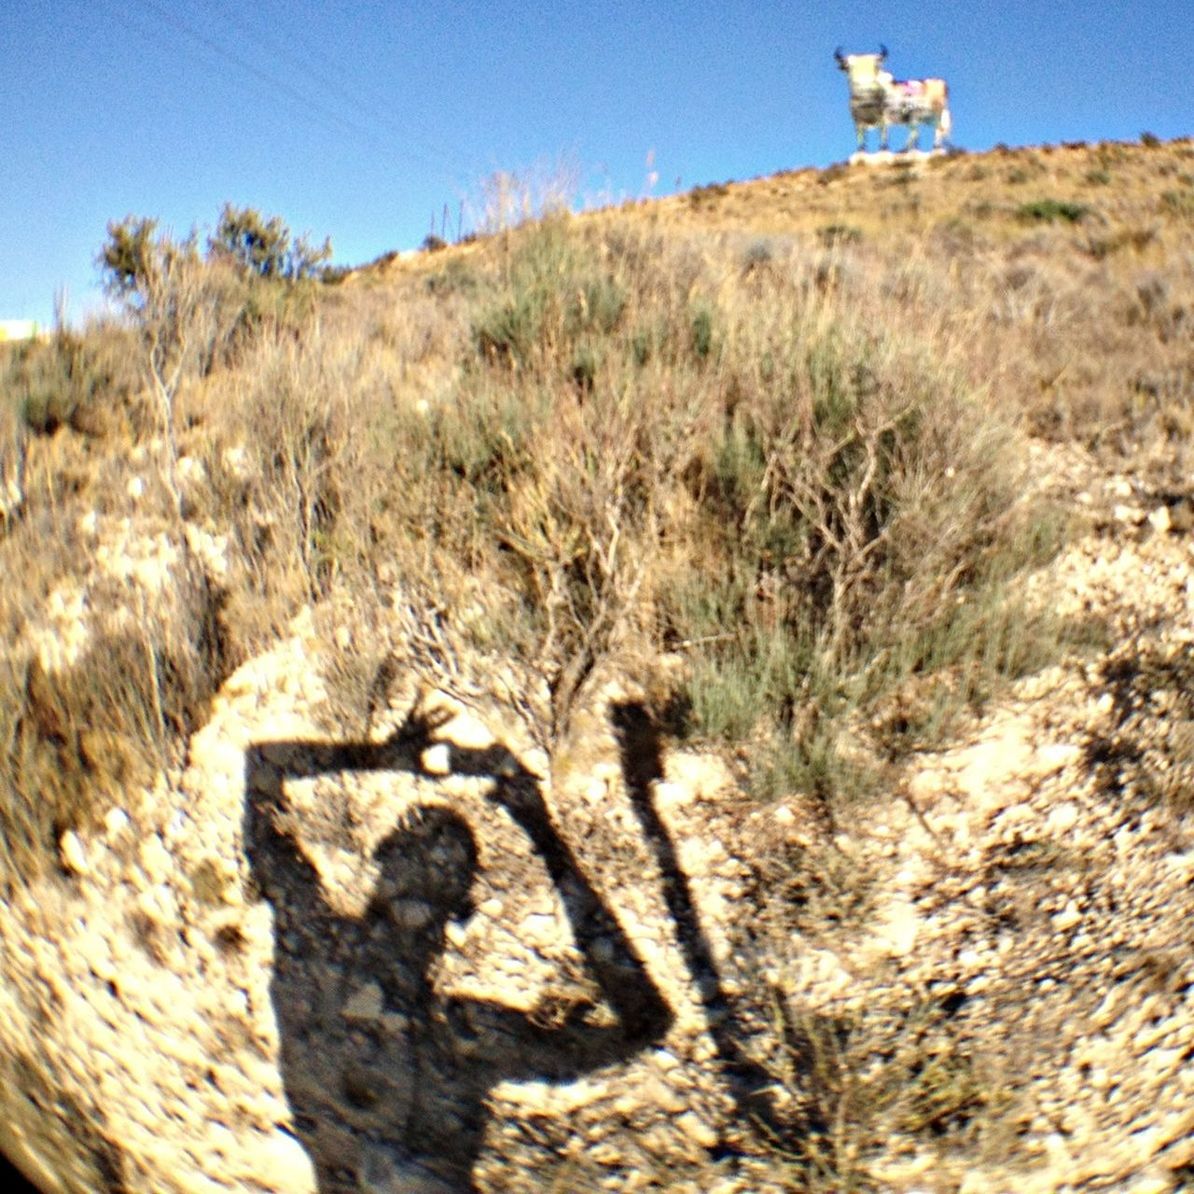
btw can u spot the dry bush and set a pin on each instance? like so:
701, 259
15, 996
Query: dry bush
88, 382
643, 446
82, 735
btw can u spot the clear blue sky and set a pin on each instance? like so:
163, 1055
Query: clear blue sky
361, 119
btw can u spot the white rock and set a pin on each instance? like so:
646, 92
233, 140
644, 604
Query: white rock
1160, 520
74, 853
1062, 818
696, 1129
1130, 514
236, 461
467, 732
898, 930
437, 759
1067, 918
116, 821
191, 471
284, 1162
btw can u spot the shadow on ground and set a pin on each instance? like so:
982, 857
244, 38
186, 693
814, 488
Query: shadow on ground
387, 1079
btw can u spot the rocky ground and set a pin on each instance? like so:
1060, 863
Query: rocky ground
982, 982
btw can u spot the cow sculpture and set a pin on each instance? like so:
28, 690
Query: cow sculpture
877, 100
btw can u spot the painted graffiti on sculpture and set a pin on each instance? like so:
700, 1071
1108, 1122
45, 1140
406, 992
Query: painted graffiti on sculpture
879, 100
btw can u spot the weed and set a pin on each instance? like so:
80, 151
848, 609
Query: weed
832, 174
1179, 204
832, 235
708, 194
1050, 211
90, 384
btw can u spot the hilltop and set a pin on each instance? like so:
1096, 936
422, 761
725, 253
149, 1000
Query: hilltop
736, 647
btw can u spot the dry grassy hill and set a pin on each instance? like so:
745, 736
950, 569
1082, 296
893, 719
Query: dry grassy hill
787, 588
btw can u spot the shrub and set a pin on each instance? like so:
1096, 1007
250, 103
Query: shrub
89, 383
130, 255
839, 234
708, 194
83, 737
1050, 211
832, 173
1179, 204
264, 247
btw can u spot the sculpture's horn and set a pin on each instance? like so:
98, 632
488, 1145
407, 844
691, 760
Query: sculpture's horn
837, 54
882, 51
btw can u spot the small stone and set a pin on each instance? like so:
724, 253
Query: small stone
286, 1162
1159, 520
1062, 818
410, 914
696, 1129
74, 853
467, 732
437, 759
1067, 918
116, 821
364, 1003
1181, 516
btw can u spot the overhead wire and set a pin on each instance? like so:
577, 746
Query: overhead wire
315, 66
314, 106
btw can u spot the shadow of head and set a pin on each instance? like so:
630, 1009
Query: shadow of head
425, 873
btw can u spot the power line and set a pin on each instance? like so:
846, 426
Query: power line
314, 66
324, 114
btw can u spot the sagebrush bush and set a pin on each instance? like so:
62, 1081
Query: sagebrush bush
1051, 210
641, 453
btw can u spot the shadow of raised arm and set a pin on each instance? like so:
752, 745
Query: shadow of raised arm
382, 1069
274, 856
643, 1016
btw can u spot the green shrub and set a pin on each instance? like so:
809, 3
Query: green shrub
263, 246
1050, 211
863, 507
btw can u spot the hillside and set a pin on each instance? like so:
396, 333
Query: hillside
691, 697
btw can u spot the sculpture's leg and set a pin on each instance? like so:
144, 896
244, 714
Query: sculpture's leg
941, 135
860, 133
883, 136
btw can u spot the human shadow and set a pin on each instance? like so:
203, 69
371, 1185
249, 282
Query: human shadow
387, 1078
751, 1085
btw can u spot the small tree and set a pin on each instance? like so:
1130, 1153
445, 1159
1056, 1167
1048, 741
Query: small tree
128, 257
160, 280
264, 247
